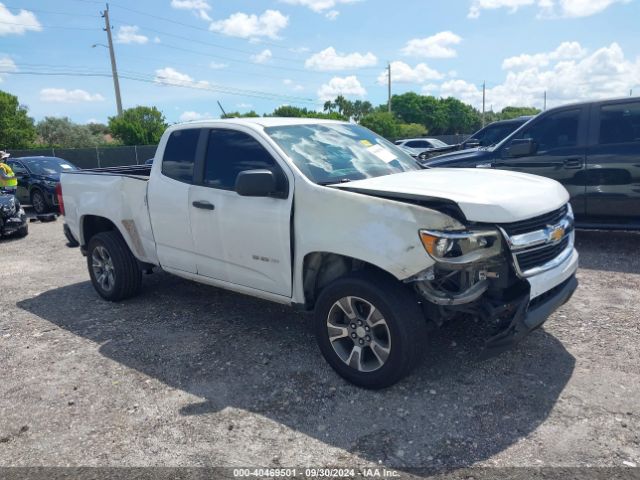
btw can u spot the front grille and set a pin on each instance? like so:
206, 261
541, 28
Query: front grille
536, 223
535, 258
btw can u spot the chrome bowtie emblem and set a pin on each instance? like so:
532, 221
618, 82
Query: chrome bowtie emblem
555, 233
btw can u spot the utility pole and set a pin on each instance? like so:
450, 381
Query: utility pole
545, 101
114, 69
484, 89
389, 87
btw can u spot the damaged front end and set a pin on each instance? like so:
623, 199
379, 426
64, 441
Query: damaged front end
472, 276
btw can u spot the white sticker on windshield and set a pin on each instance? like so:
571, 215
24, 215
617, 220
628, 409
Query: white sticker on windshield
382, 153
65, 166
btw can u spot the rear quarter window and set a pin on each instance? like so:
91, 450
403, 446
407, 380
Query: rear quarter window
180, 154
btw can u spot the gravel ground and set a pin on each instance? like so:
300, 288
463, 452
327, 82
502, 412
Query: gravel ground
189, 375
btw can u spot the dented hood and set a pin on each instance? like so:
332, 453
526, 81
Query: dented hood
489, 196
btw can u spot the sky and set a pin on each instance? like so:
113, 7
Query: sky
184, 56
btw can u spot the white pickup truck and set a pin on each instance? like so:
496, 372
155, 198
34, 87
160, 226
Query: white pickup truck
328, 216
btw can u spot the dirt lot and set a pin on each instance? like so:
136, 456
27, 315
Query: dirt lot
190, 375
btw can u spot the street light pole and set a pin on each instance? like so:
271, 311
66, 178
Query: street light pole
114, 69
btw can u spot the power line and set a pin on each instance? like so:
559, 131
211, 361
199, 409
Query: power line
62, 27
140, 77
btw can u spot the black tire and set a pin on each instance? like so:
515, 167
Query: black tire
39, 202
22, 231
398, 306
127, 276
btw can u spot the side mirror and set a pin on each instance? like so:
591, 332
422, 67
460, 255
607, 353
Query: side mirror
256, 183
521, 148
472, 143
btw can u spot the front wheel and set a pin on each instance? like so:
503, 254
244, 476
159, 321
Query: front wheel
369, 329
114, 271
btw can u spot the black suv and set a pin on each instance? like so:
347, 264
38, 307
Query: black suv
592, 148
485, 137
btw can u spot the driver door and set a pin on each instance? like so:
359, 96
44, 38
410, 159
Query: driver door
242, 240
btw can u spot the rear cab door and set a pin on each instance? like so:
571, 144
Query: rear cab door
559, 139
168, 198
613, 164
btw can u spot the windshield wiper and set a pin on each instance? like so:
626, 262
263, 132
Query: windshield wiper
333, 182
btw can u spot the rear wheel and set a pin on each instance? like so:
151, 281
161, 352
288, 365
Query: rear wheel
369, 329
39, 202
114, 271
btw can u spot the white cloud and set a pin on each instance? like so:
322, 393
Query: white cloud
171, 76
242, 25
262, 57
244, 106
19, 23
585, 8
292, 85
566, 51
404, 73
436, 46
512, 5
7, 65
190, 116
156, 39
603, 73
62, 95
347, 86
218, 66
326, 7
200, 7
129, 34
330, 60
547, 8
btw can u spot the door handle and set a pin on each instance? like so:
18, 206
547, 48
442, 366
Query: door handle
204, 205
573, 163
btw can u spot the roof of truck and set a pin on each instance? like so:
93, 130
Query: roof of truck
263, 121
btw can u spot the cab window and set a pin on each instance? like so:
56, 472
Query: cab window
620, 123
230, 152
556, 130
180, 154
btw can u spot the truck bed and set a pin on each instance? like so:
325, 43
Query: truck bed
117, 194
127, 170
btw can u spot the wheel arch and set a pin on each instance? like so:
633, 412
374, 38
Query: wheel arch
91, 225
319, 269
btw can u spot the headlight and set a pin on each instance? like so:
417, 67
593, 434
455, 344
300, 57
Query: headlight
461, 247
50, 183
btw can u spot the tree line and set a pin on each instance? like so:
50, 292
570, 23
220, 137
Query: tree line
412, 115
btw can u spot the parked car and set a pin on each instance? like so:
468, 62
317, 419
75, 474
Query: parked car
485, 137
148, 161
592, 148
13, 220
414, 146
37, 179
330, 217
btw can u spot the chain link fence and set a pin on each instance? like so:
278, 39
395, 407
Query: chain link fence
99, 157
96, 157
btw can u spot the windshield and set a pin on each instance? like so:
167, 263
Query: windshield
438, 143
49, 166
332, 153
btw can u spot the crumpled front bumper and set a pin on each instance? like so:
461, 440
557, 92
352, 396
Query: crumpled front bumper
529, 315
